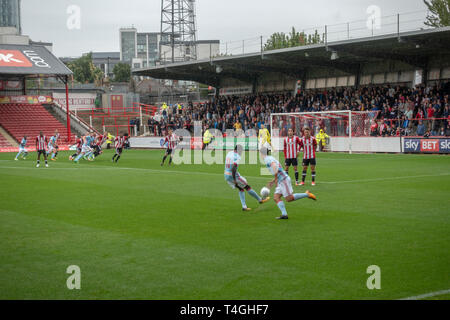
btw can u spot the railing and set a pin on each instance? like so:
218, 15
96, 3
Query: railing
374, 25
116, 128
137, 111
75, 117
134, 130
108, 112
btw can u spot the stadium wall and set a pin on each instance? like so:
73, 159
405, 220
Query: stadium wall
76, 100
195, 143
366, 144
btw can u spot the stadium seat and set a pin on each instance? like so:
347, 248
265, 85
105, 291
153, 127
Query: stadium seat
27, 120
4, 143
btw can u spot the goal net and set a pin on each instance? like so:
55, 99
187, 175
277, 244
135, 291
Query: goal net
341, 127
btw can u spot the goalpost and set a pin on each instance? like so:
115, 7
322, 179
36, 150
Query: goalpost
341, 126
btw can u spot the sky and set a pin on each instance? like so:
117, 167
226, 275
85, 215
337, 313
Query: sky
97, 28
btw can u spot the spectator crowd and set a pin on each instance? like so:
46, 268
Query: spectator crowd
418, 111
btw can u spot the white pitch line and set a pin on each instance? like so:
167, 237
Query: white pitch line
387, 178
427, 295
221, 174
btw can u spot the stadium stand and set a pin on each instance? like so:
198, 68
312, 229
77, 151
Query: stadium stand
402, 109
4, 143
22, 119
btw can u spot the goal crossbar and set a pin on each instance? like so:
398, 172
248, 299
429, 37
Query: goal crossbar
351, 123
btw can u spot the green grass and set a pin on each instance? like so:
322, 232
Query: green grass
140, 231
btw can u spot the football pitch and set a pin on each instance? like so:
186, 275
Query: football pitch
141, 231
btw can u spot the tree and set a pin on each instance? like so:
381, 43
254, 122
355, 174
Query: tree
280, 40
439, 15
122, 72
84, 70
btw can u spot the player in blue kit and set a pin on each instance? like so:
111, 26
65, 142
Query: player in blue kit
22, 151
283, 184
236, 181
86, 150
90, 141
52, 147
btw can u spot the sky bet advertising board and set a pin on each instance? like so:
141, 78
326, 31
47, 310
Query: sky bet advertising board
426, 145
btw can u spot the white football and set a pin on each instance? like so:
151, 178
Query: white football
265, 192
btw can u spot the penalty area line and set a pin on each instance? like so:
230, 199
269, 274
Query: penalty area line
427, 295
386, 178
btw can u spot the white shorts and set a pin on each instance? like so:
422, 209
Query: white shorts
21, 149
240, 181
284, 187
265, 145
85, 149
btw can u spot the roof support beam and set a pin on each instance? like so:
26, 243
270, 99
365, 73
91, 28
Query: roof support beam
415, 61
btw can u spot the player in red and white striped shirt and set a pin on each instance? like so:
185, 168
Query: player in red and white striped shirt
309, 145
291, 150
79, 144
171, 140
118, 143
100, 139
41, 144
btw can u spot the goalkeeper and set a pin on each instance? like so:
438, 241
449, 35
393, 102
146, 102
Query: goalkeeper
322, 139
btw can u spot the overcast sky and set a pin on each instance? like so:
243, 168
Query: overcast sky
225, 20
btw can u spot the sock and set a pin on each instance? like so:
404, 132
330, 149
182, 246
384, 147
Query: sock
17, 156
313, 176
53, 155
303, 176
170, 160
78, 157
242, 198
45, 161
74, 155
164, 159
296, 176
114, 156
118, 157
38, 161
25, 155
282, 208
254, 194
298, 196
